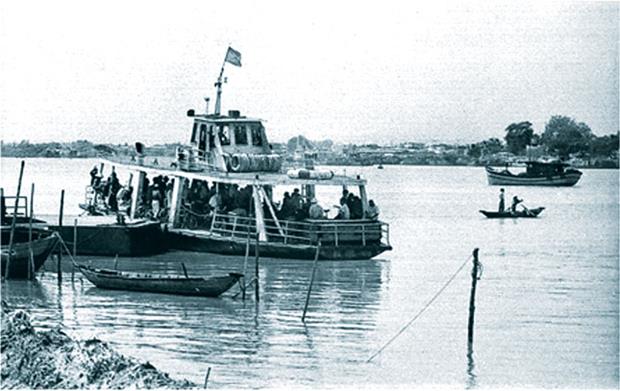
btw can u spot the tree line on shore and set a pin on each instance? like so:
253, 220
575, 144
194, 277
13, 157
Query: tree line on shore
563, 138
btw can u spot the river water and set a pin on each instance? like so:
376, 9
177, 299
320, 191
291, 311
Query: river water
546, 305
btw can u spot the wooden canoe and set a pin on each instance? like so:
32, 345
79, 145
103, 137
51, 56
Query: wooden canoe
527, 213
143, 282
43, 242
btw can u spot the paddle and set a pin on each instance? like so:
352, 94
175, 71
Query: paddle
527, 211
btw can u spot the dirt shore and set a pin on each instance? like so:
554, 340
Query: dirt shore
53, 360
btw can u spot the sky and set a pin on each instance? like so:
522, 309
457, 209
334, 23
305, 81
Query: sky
374, 71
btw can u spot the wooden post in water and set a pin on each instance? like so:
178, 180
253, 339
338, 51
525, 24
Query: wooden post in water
257, 255
2, 205
74, 248
31, 252
316, 260
245, 265
62, 207
184, 270
207, 377
472, 300
11, 237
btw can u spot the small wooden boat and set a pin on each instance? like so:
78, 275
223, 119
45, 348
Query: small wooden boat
43, 242
175, 285
526, 213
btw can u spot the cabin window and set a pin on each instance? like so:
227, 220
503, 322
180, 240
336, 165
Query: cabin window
224, 135
194, 131
211, 138
241, 136
257, 135
202, 143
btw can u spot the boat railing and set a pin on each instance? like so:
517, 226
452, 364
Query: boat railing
304, 232
11, 209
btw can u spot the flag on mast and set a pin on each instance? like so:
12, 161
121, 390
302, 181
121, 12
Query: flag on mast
233, 57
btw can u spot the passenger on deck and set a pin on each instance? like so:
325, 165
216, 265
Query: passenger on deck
95, 179
355, 206
515, 201
303, 212
372, 213
115, 186
215, 203
296, 201
343, 211
286, 209
501, 200
345, 195
315, 211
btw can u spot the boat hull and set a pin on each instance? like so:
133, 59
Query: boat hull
43, 244
499, 178
132, 239
206, 242
115, 280
530, 213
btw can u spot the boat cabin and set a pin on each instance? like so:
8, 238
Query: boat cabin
534, 168
230, 143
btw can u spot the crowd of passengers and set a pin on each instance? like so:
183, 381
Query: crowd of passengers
203, 199
110, 195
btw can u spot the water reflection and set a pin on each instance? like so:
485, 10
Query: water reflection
471, 375
184, 335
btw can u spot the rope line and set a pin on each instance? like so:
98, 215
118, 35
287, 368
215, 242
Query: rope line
61, 241
421, 311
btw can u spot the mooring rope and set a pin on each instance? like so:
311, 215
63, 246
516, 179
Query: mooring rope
421, 311
61, 241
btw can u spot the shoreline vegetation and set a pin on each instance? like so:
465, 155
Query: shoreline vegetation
51, 359
562, 139
489, 152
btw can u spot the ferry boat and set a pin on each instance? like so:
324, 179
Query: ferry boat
536, 174
233, 152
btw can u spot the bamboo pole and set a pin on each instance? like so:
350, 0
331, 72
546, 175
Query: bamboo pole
12, 235
75, 235
316, 261
257, 256
60, 215
472, 300
30, 250
2, 204
245, 265
184, 270
207, 377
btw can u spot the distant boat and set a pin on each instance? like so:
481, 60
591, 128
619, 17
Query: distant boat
175, 285
43, 242
536, 174
526, 213
380, 166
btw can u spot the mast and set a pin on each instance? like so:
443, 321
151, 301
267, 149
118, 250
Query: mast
233, 57
218, 96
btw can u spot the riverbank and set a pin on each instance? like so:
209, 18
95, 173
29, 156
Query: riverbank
53, 360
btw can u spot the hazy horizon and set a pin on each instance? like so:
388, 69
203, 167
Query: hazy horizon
379, 72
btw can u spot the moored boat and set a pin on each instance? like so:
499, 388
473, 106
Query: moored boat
144, 282
525, 213
43, 243
105, 235
535, 174
222, 193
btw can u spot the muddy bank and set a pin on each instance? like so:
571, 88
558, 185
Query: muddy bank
52, 359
